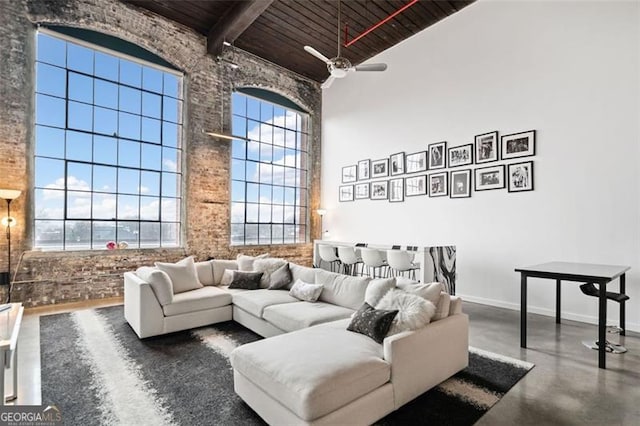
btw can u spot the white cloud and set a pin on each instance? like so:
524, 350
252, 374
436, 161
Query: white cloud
170, 165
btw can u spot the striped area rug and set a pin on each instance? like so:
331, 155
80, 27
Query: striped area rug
97, 372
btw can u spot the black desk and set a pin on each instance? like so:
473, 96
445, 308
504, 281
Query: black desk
578, 272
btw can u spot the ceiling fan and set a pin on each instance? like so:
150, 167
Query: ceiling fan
339, 66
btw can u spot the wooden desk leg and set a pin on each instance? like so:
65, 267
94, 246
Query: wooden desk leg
523, 310
623, 311
602, 323
558, 294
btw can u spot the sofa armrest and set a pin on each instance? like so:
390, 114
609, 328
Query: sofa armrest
423, 358
141, 307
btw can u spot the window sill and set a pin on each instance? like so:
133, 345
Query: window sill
83, 253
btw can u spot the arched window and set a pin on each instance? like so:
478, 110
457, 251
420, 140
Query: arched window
269, 170
108, 147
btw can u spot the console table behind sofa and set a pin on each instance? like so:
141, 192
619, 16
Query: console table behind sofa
437, 263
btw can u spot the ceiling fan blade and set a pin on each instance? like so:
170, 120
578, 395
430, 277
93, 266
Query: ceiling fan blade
328, 82
370, 67
317, 54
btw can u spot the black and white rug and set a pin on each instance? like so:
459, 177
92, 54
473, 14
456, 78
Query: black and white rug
97, 372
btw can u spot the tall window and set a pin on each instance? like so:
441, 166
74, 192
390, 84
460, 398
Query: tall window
268, 173
107, 148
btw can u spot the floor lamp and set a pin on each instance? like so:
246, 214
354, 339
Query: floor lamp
321, 213
8, 195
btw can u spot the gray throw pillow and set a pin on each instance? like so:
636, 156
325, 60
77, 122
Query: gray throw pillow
246, 280
371, 322
280, 278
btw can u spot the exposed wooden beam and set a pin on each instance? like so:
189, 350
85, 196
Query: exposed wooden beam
234, 22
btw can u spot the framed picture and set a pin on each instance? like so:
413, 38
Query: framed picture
346, 193
416, 162
380, 168
487, 178
437, 153
396, 190
364, 168
362, 191
486, 147
438, 184
379, 190
397, 164
520, 176
461, 155
460, 184
416, 185
349, 174
518, 145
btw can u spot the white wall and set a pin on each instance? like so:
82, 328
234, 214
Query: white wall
571, 71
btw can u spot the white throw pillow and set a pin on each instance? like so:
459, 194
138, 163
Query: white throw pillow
159, 281
267, 266
306, 291
227, 277
429, 291
377, 288
183, 274
414, 312
245, 263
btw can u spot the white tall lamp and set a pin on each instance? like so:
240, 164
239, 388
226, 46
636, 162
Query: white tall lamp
8, 195
321, 213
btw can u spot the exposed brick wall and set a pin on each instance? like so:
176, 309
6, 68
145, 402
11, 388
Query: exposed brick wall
46, 278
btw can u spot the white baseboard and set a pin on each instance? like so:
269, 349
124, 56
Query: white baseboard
631, 326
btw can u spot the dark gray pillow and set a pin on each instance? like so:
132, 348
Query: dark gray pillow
281, 277
371, 322
246, 280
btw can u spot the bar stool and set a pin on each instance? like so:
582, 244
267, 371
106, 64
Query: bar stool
328, 254
349, 259
590, 290
374, 259
400, 262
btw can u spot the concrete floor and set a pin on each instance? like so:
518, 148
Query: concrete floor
564, 388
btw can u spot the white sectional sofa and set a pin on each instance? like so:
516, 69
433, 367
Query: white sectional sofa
310, 369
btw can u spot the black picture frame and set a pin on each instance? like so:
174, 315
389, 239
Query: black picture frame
487, 147
460, 183
379, 190
437, 155
380, 168
349, 174
461, 155
438, 184
364, 169
520, 176
397, 164
415, 185
416, 162
516, 145
345, 193
361, 191
489, 178
396, 190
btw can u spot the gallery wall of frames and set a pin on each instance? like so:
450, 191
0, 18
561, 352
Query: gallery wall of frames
491, 162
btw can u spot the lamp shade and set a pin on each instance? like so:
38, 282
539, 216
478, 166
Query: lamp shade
321, 212
8, 221
10, 194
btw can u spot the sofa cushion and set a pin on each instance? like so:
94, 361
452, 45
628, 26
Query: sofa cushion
245, 263
197, 300
342, 290
429, 291
337, 368
205, 272
280, 278
183, 274
246, 280
443, 307
159, 281
255, 301
295, 316
219, 266
414, 312
377, 288
304, 273
306, 291
374, 323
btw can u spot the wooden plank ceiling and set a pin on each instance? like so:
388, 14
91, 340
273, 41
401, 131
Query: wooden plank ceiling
277, 30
